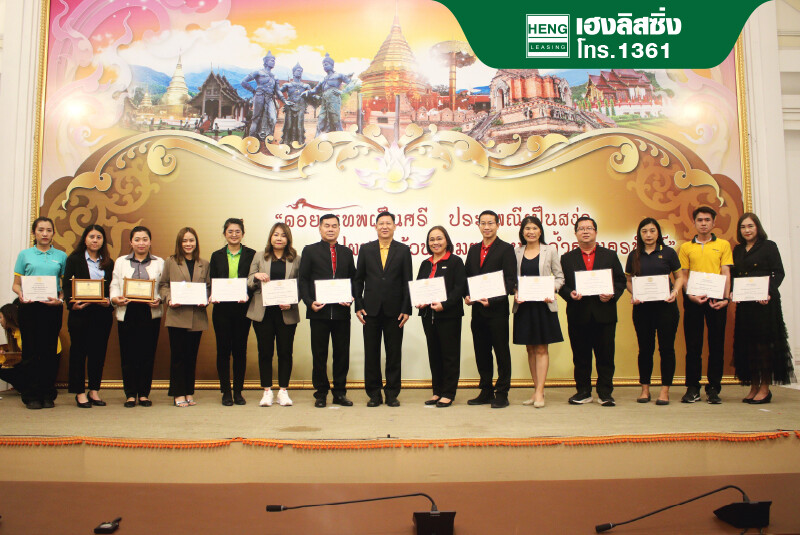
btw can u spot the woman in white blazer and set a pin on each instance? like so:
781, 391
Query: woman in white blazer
536, 322
139, 322
274, 325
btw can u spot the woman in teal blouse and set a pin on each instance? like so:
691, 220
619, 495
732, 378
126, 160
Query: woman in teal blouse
40, 321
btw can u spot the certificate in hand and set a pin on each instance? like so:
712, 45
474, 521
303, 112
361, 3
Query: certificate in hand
708, 284
228, 290
279, 292
594, 282
427, 291
333, 291
751, 289
39, 287
650, 288
486, 285
536, 288
188, 293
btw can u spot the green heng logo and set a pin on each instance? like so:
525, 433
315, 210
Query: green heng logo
547, 36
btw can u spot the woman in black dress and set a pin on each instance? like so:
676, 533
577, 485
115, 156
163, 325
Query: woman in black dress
536, 322
89, 322
442, 321
761, 354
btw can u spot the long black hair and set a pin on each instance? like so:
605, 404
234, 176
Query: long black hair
637, 253
80, 248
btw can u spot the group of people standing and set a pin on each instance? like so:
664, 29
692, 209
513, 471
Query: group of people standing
379, 283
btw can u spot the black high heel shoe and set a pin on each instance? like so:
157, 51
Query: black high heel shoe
763, 401
84, 405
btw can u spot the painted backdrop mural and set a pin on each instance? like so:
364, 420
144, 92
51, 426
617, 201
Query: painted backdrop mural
170, 114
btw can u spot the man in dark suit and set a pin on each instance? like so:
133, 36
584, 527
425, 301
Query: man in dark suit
490, 316
383, 305
591, 319
323, 261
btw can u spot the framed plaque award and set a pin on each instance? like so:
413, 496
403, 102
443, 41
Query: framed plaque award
88, 290
139, 290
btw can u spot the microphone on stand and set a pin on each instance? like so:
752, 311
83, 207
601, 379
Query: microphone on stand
744, 514
433, 522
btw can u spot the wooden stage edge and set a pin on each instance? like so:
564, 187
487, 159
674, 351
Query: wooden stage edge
240, 460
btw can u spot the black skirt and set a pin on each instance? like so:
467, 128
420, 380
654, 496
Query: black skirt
534, 322
760, 344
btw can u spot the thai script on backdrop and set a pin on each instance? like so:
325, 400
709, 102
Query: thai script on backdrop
559, 226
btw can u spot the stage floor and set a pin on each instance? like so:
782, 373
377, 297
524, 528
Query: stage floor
411, 421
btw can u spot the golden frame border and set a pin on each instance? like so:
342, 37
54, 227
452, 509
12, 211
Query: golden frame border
44, 32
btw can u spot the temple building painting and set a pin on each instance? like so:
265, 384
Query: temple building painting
217, 98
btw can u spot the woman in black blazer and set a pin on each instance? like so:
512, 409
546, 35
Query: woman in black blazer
761, 354
442, 321
231, 325
89, 323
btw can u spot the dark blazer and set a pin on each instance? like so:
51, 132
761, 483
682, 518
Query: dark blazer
762, 260
383, 288
499, 258
591, 308
455, 282
315, 264
219, 263
218, 269
77, 268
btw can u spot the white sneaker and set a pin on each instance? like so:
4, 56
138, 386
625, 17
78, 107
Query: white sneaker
266, 399
283, 398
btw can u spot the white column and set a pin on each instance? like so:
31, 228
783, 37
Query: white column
18, 100
773, 190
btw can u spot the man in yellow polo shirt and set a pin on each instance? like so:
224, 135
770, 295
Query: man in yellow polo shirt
707, 254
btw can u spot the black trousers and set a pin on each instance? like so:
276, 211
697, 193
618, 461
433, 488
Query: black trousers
444, 354
693, 317
39, 325
88, 334
388, 327
600, 338
183, 347
488, 334
272, 333
231, 327
138, 339
338, 331
653, 319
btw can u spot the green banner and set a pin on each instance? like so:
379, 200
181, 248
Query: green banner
590, 34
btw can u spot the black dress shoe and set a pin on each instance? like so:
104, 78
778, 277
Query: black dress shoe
443, 404
48, 404
432, 401
763, 401
129, 403
33, 405
84, 405
239, 399
227, 400
645, 399
393, 402
484, 398
342, 400
320, 403
97, 402
145, 403
373, 402
499, 402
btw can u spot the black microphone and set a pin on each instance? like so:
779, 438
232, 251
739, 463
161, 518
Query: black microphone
433, 522
744, 514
